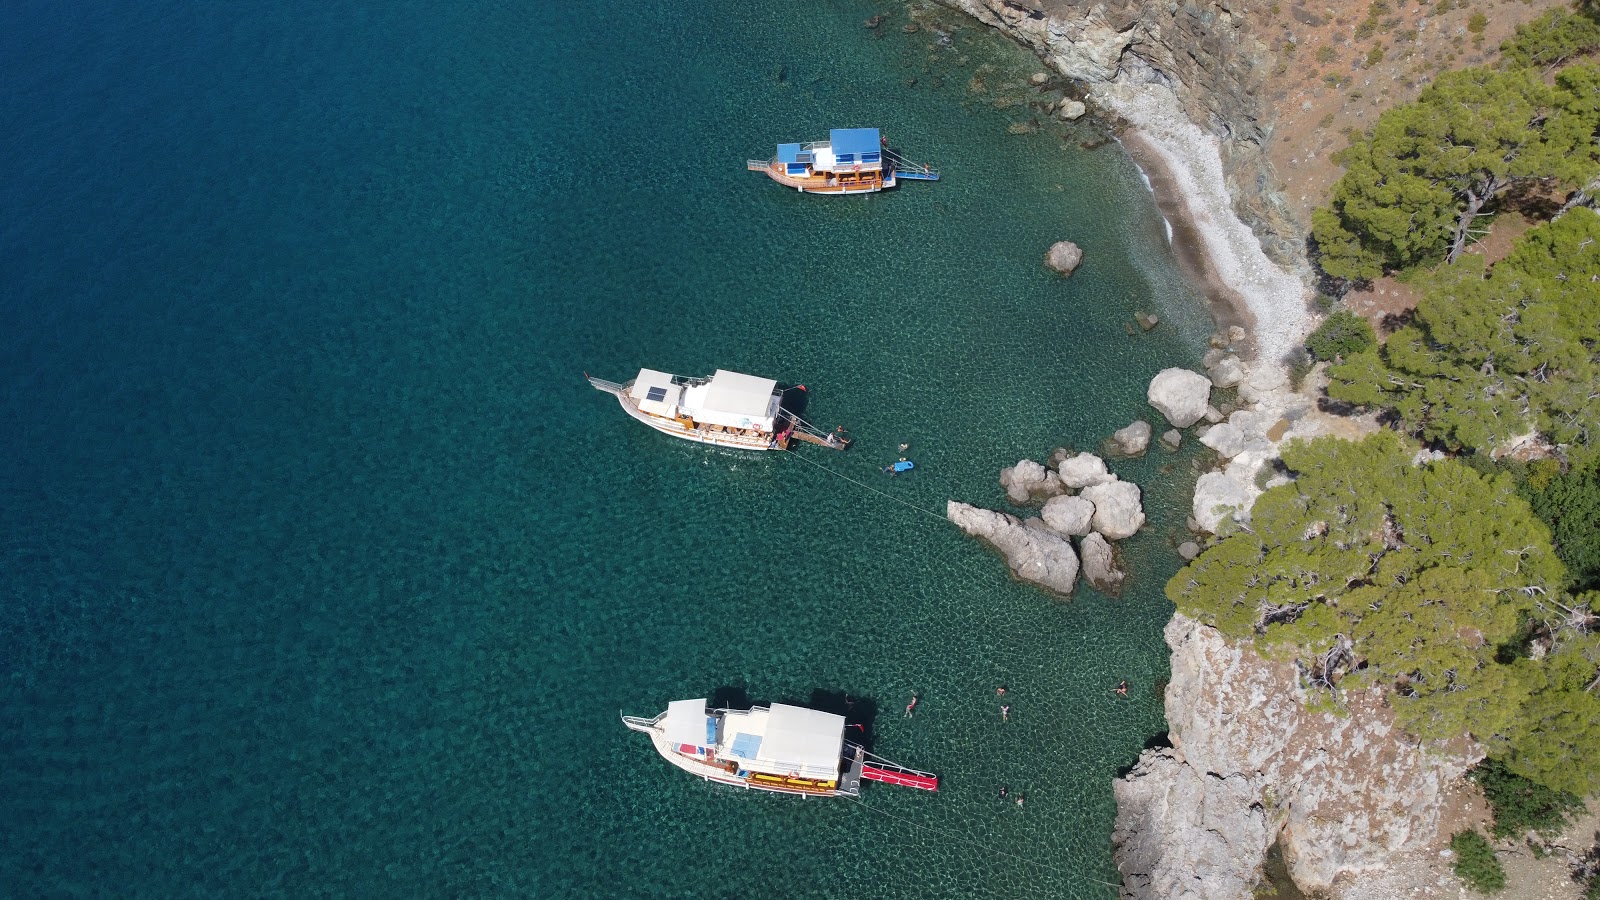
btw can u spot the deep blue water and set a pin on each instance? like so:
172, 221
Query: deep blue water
323, 572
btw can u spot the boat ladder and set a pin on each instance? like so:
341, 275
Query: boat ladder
914, 171
879, 769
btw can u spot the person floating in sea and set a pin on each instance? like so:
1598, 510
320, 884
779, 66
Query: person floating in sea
912, 706
1005, 712
904, 447
1122, 688
1004, 792
1020, 798
1000, 691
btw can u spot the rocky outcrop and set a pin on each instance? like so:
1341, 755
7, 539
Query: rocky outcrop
1180, 395
1204, 52
1226, 372
1133, 440
1250, 764
1225, 438
1064, 257
1028, 480
1083, 470
1034, 554
1167, 837
1100, 563
1069, 516
1118, 513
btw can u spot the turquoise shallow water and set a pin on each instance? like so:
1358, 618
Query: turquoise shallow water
325, 573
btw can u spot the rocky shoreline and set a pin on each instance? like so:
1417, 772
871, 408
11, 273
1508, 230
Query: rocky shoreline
1345, 796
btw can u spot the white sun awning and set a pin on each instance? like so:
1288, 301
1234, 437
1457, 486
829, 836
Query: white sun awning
648, 379
686, 722
806, 740
740, 395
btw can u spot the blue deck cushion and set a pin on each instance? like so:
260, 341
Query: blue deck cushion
871, 157
788, 153
711, 732
795, 169
854, 140
746, 746
846, 157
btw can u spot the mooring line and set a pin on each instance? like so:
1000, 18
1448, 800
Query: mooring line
869, 487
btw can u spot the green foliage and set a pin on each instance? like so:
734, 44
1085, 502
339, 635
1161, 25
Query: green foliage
1570, 505
1374, 56
1520, 805
1557, 742
1425, 570
1326, 54
1476, 863
1490, 359
1341, 334
1552, 39
1467, 138
1477, 22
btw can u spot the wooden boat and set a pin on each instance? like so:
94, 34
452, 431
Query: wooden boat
778, 748
850, 161
728, 409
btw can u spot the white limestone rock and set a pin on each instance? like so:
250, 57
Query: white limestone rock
1180, 395
1028, 480
1227, 372
1072, 110
1034, 554
1070, 516
1100, 563
1064, 257
1172, 439
1117, 510
1133, 440
1217, 496
1084, 470
1225, 438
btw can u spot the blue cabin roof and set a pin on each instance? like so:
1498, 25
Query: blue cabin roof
788, 153
850, 141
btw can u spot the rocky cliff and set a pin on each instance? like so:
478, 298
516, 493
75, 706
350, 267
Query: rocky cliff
1203, 51
1343, 791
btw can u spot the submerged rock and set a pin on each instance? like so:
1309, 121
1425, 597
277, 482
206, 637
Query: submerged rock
1034, 554
1180, 395
1133, 440
1100, 563
1117, 511
1064, 257
1072, 110
1070, 516
1188, 550
1172, 439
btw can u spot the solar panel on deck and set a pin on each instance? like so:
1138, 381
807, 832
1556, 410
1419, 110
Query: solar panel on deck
656, 394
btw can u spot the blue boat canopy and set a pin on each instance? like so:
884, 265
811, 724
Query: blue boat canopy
788, 153
850, 141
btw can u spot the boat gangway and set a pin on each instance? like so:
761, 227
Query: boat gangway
913, 171
882, 770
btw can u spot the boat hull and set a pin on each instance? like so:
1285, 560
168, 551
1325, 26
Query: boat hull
819, 184
727, 772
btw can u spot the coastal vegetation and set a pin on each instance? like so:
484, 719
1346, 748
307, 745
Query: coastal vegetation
1476, 863
1453, 559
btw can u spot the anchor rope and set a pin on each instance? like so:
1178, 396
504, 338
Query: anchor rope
921, 509
961, 837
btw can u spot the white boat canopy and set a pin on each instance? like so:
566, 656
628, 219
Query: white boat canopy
740, 395
806, 740
686, 723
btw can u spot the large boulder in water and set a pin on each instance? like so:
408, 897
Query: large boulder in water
1218, 495
1133, 440
1181, 395
1027, 480
1084, 470
1100, 563
1034, 554
1068, 515
1064, 257
1117, 511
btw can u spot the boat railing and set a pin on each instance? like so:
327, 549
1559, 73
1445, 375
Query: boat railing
610, 387
757, 165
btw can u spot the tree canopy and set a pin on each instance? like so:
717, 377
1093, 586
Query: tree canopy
1423, 579
1489, 359
1414, 187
